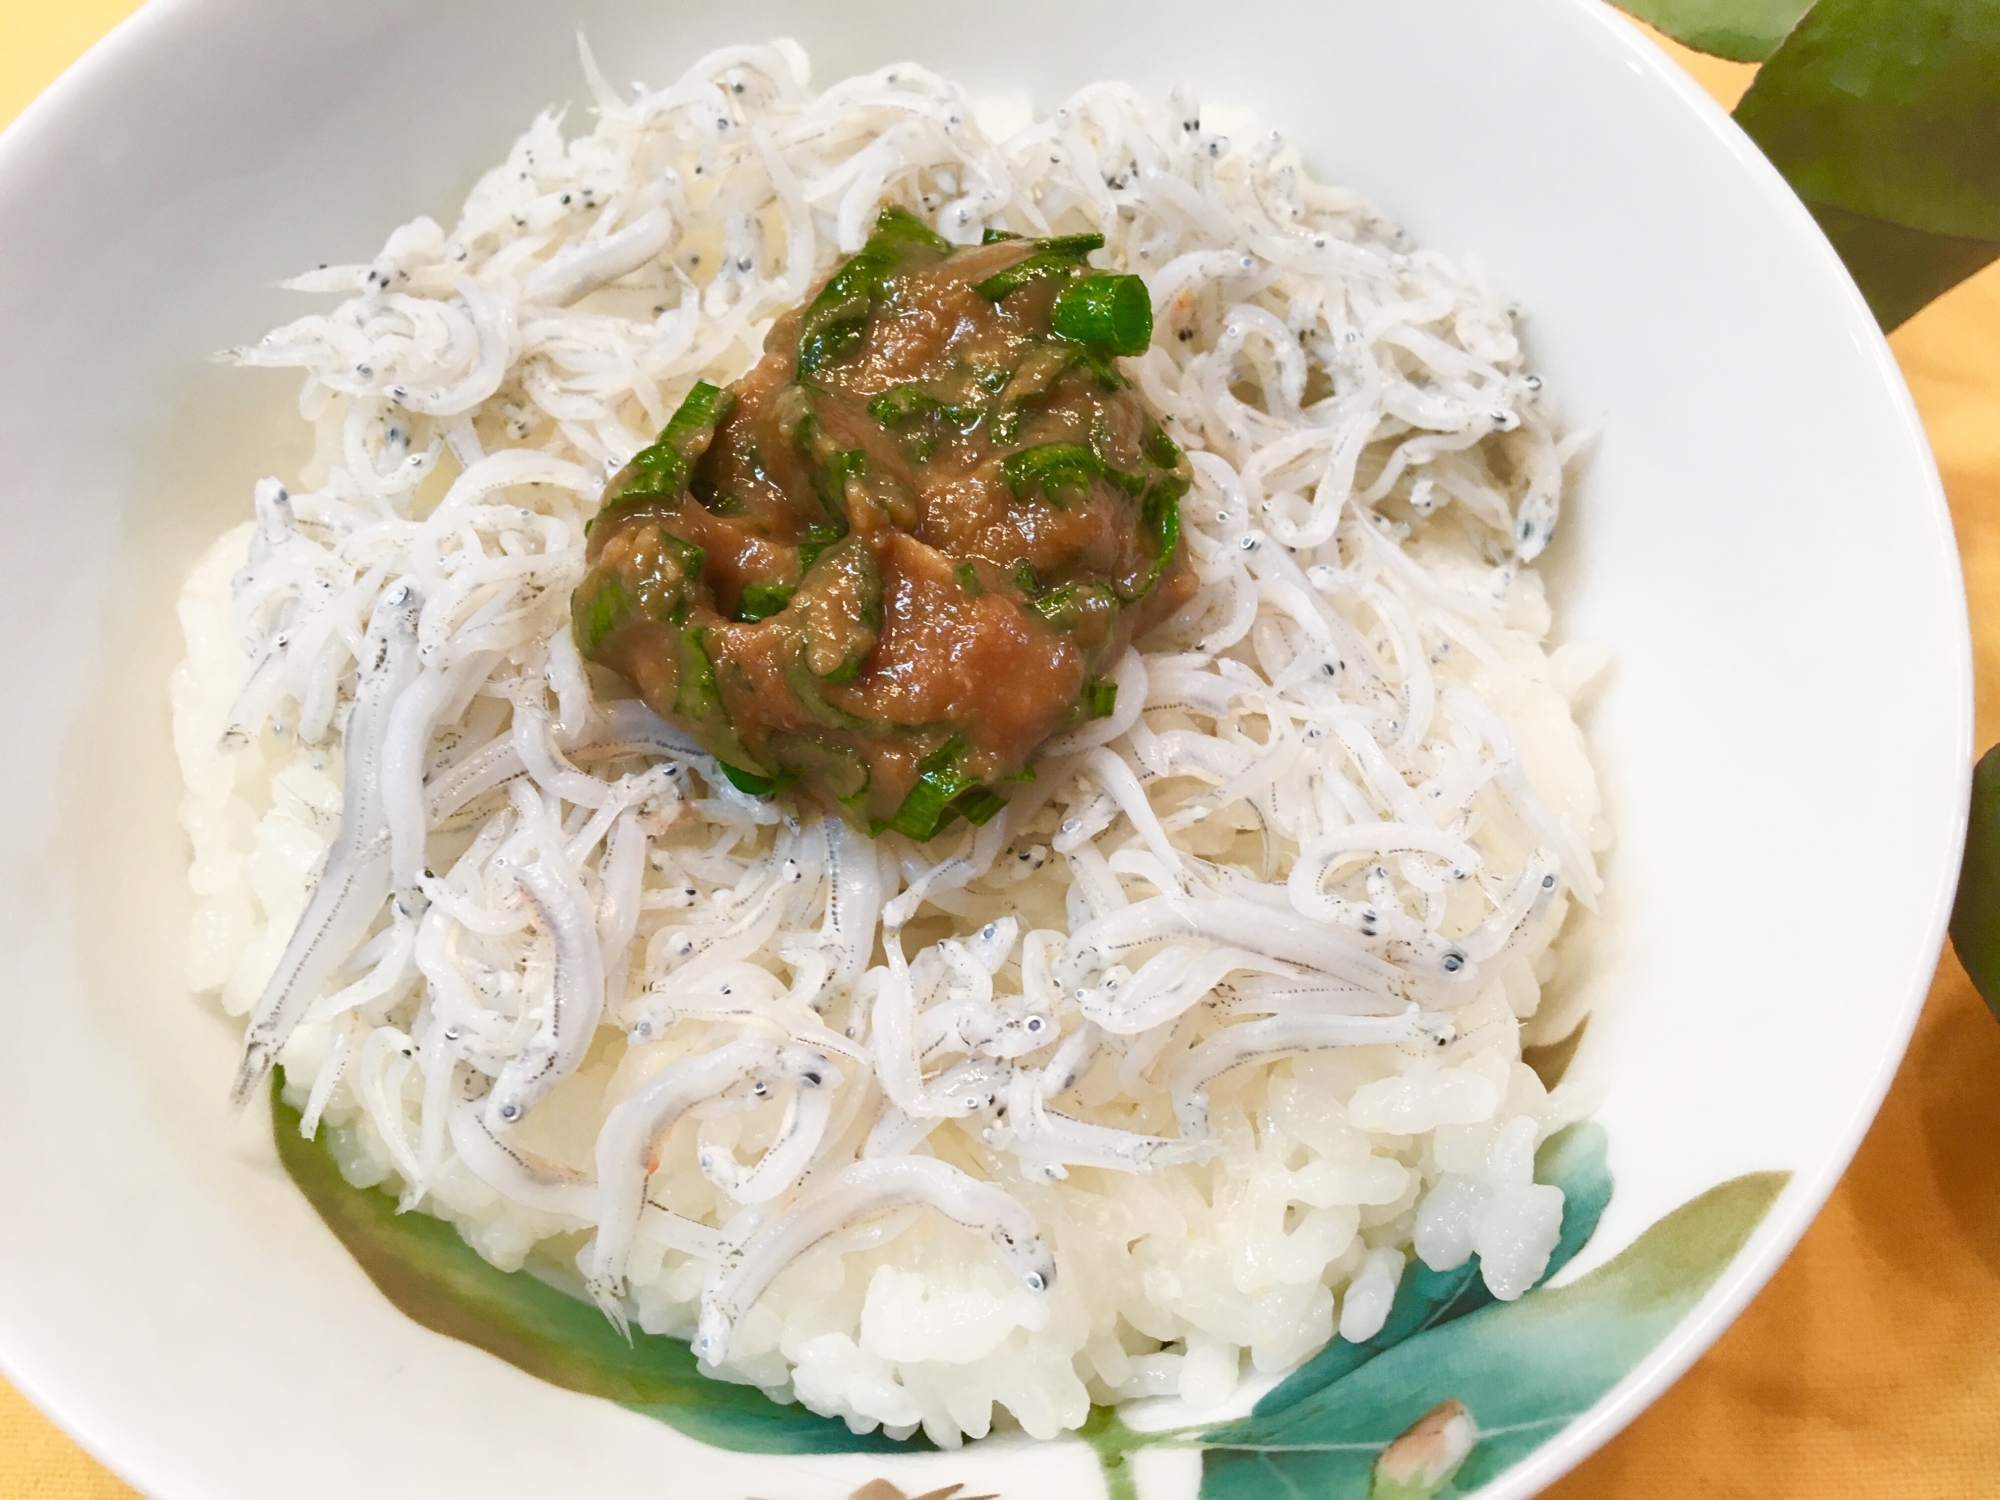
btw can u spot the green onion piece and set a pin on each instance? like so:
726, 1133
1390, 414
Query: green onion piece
977, 804
1161, 514
899, 230
1023, 776
694, 421
968, 579
823, 765
698, 706
1052, 467
1075, 246
1068, 607
751, 784
1100, 697
995, 236
837, 319
1003, 284
1114, 311
806, 687
1161, 451
925, 810
605, 612
762, 600
927, 807
1062, 470
830, 482
717, 502
662, 470
654, 584
1099, 441
809, 551
1053, 257
654, 474
1099, 364
898, 404
697, 700
1026, 579
838, 607
805, 434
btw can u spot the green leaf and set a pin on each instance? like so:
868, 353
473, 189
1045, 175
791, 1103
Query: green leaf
1524, 1370
1571, 1159
421, 1265
1740, 30
1975, 916
1900, 270
1884, 115
1890, 109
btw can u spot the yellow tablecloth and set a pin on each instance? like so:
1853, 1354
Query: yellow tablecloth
1870, 1368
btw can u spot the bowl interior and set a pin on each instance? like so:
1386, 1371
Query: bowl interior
1760, 539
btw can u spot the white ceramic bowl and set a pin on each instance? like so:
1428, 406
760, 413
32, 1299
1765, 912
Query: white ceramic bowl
1761, 539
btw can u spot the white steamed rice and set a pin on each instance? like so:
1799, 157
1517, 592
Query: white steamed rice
1356, 723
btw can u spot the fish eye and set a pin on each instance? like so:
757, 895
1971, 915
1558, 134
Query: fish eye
813, 1079
1034, 1281
1453, 962
510, 1111
1548, 882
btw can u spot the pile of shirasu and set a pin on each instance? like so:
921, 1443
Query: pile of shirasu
1216, 1021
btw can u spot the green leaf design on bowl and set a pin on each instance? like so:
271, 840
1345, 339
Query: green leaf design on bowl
421, 1265
1523, 1370
1571, 1159
1356, 1421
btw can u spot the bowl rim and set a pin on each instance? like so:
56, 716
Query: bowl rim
1806, 1194
1746, 1274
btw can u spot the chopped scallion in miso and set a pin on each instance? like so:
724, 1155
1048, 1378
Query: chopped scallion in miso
907, 548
